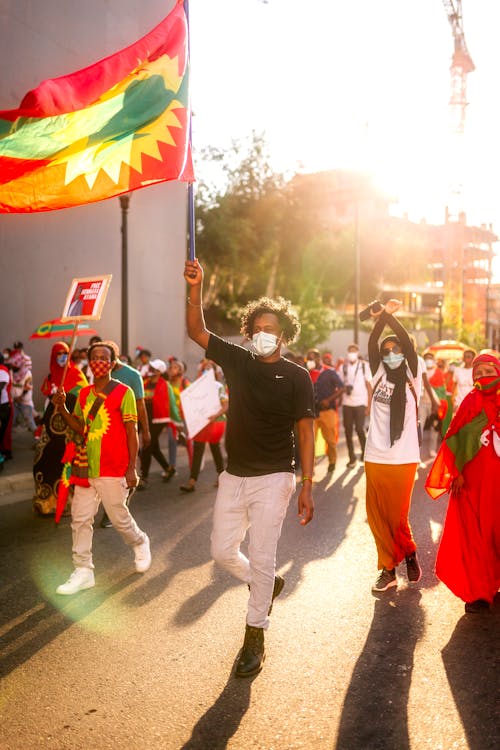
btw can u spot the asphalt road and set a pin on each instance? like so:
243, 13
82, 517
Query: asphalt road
145, 661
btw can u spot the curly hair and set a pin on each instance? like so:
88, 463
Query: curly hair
280, 307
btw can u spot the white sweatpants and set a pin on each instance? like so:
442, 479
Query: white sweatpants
112, 492
259, 505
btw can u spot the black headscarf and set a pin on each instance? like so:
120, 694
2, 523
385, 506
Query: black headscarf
398, 401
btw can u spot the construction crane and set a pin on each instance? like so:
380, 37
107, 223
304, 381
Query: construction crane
461, 66
455, 276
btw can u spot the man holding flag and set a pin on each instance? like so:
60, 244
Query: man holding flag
268, 395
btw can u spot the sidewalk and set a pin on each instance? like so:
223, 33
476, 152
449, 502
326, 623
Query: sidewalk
16, 477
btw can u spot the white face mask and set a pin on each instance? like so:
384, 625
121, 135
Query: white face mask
352, 356
264, 343
430, 364
393, 360
311, 364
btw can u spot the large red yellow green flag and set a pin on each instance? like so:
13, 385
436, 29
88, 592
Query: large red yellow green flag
118, 125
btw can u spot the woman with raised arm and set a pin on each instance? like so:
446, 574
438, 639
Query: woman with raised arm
392, 450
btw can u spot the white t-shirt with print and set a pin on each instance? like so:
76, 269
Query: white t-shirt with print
463, 378
378, 442
356, 374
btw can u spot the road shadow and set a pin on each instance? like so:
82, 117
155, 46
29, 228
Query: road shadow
220, 722
335, 506
471, 661
375, 709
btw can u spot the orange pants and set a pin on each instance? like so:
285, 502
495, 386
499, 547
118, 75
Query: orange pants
328, 423
389, 489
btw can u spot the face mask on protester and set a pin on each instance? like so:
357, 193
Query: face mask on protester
311, 364
352, 357
430, 364
100, 367
487, 382
61, 359
393, 360
264, 343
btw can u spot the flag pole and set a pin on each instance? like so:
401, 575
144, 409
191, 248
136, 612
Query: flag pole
191, 218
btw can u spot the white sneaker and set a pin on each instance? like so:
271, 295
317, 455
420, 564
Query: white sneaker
80, 579
142, 555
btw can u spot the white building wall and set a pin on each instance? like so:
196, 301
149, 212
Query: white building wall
41, 253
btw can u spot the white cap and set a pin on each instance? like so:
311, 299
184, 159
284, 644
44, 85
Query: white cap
158, 364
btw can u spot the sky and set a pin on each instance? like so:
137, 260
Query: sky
361, 84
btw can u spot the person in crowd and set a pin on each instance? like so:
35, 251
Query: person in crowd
5, 405
50, 449
267, 395
328, 388
429, 407
24, 408
19, 363
446, 410
211, 434
462, 378
313, 364
468, 467
392, 446
143, 362
178, 380
355, 401
162, 413
104, 471
129, 376
327, 359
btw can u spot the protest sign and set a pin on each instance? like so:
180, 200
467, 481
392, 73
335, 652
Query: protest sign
200, 401
86, 298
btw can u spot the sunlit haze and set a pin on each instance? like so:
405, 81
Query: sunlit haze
358, 84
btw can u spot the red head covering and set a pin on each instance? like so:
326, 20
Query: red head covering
73, 375
486, 359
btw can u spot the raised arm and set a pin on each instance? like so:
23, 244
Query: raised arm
193, 273
385, 317
373, 350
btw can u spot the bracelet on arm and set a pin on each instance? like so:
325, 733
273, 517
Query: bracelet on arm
193, 304
306, 479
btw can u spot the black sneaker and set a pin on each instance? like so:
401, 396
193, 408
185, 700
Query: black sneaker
385, 579
169, 473
279, 582
351, 464
142, 485
413, 569
331, 468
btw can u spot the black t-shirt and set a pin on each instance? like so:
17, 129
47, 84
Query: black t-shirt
265, 400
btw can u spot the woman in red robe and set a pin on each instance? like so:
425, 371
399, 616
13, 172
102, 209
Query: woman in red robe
50, 449
468, 467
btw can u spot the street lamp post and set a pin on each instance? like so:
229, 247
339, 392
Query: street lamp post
124, 205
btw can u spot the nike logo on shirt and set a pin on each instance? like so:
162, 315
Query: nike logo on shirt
279, 376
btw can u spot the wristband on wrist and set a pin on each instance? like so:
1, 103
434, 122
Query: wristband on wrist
193, 304
306, 479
